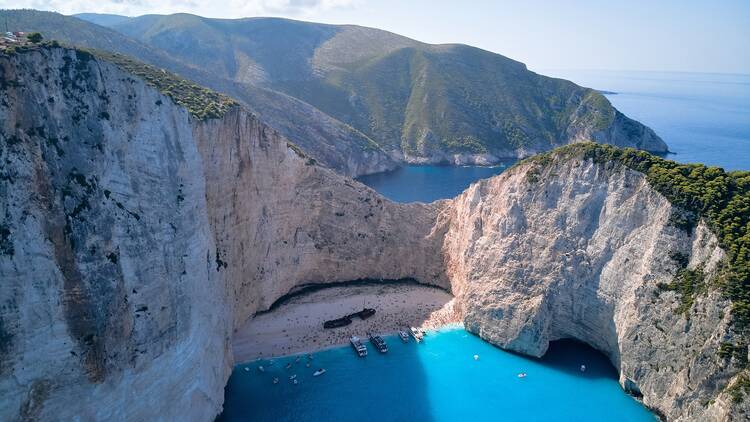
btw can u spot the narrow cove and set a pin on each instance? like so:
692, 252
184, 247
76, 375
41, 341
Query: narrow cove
437, 380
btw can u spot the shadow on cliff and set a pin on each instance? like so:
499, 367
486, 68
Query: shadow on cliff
376, 388
306, 289
568, 355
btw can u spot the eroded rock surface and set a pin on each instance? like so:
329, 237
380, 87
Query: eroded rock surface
578, 251
139, 236
135, 238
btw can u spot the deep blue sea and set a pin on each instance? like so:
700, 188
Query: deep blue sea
703, 118
438, 380
429, 183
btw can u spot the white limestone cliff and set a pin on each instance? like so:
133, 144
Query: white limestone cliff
138, 237
577, 251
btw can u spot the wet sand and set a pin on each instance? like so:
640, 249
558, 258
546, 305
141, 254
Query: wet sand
297, 325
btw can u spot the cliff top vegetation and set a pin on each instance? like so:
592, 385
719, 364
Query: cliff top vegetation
720, 198
201, 102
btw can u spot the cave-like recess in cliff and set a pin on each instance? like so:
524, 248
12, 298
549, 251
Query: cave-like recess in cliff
308, 288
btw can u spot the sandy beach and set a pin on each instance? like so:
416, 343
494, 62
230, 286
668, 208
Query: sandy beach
297, 325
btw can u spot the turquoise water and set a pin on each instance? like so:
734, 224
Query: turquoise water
437, 380
703, 118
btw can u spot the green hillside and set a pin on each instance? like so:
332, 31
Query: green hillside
425, 100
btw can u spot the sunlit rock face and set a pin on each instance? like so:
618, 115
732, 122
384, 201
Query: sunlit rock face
106, 290
577, 250
135, 238
281, 221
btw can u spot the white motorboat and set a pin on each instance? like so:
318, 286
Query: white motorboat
319, 372
416, 333
360, 348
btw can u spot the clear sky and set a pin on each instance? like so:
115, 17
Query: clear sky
661, 35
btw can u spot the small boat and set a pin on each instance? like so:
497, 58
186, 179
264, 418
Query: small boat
416, 333
476, 357
522, 375
583, 368
307, 364
261, 368
378, 342
247, 369
319, 372
295, 382
293, 377
297, 359
275, 380
404, 336
360, 348
288, 365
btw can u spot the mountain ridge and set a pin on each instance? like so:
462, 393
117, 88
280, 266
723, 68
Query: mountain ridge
420, 102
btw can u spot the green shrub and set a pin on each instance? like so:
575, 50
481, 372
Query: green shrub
740, 388
35, 37
688, 283
202, 103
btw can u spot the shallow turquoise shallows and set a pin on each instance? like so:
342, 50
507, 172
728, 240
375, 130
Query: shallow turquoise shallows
438, 380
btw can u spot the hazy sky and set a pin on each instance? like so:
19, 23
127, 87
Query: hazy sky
671, 35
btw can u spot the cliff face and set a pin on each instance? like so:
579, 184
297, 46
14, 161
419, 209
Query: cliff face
135, 237
578, 250
106, 289
281, 221
331, 142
